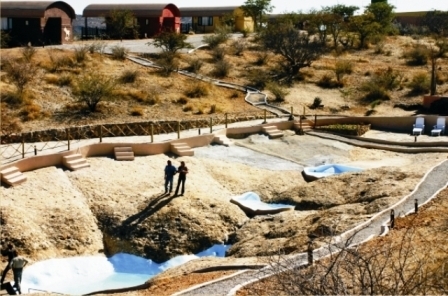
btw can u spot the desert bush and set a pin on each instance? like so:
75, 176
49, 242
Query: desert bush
347, 129
10, 123
342, 68
4, 39
245, 32
81, 53
65, 80
218, 53
92, 88
258, 79
128, 76
262, 58
374, 92
327, 81
31, 111
28, 52
220, 36
119, 52
194, 65
417, 55
278, 91
234, 94
197, 90
419, 84
221, 69
187, 108
377, 87
238, 47
137, 111
98, 47
316, 103
182, 101
19, 73
168, 63
59, 61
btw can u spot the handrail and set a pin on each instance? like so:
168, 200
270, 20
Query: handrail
45, 291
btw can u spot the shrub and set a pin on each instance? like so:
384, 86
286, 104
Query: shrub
28, 52
347, 129
212, 109
221, 69
4, 39
168, 63
96, 47
419, 84
182, 101
58, 61
197, 90
137, 111
245, 32
19, 73
258, 79
91, 88
342, 68
262, 58
218, 53
235, 94
220, 36
278, 91
119, 52
375, 92
194, 65
31, 112
187, 108
417, 56
238, 47
316, 103
81, 53
65, 80
128, 76
327, 82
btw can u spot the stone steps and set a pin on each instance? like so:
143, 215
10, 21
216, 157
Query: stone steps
124, 153
272, 131
222, 140
75, 162
12, 176
181, 149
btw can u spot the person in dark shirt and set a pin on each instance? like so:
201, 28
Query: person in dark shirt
170, 171
10, 253
183, 171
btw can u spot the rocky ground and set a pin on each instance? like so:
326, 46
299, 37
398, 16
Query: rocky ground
119, 207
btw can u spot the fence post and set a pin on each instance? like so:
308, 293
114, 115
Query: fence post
264, 121
226, 120
152, 133
101, 133
310, 252
68, 137
315, 121
211, 125
416, 205
304, 111
178, 129
291, 117
35, 150
392, 219
23, 146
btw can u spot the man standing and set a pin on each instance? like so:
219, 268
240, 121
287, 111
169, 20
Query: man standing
17, 265
9, 252
183, 171
170, 171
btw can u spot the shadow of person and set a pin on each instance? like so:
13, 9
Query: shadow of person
154, 206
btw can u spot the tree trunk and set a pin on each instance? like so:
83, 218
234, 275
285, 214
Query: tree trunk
433, 76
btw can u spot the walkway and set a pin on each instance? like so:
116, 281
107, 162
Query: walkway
432, 183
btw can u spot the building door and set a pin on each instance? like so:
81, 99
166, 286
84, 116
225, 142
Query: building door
168, 24
53, 31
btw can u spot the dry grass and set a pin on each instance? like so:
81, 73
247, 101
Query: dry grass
159, 96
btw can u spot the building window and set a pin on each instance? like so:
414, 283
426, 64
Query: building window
205, 21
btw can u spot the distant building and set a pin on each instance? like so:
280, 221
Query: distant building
207, 19
37, 22
151, 19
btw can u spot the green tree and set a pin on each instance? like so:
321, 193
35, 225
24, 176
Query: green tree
256, 9
92, 88
437, 22
170, 42
364, 26
295, 47
121, 23
383, 14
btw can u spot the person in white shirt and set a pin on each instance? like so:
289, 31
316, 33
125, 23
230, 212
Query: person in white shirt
17, 265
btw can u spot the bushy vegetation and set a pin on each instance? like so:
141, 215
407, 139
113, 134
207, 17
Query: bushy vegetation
419, 84
91, 88
278, 91
221, 35
119, 52
347, 129
221, 69
197, 90
129, 76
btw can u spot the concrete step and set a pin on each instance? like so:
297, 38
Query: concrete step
12, 176
181, 149
74, 162
272, 131
124, 153
222, 140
